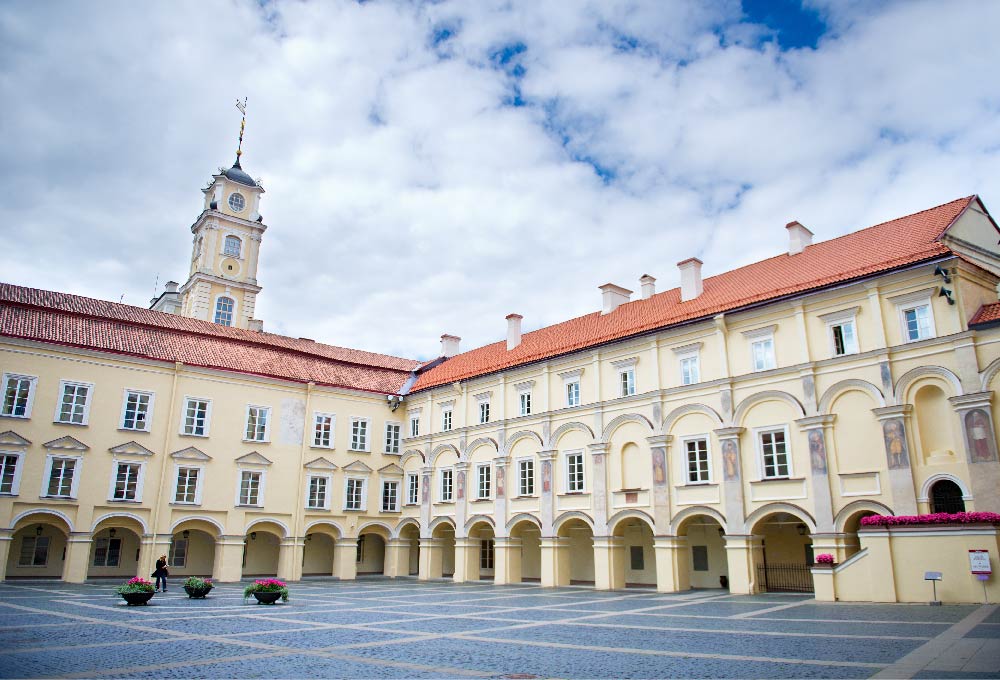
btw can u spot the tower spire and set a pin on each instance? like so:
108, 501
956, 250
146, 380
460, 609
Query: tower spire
242, 106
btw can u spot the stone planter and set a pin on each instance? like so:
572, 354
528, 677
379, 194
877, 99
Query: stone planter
137, 598
267, 598
197, 593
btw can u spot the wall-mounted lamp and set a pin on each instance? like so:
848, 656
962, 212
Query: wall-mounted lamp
309, 537
112, 531
38, 530
722, 532
185, 533
801, 528
946, 293
253, 535
943, 273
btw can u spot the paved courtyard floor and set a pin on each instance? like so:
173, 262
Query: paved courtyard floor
405, 628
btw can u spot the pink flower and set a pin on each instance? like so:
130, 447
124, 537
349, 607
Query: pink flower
824, 558
933, 518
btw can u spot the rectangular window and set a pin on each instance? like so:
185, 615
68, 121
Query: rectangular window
446, 485
177, 556
317, 493
34, 551
196, 413
487, 553
526, 477
126, 482
257, 417
484, 412
774, 454
412, 489
187, 485
359, 554
359, 434
697, 460
574, 472
626, 382
74, 405
61, 478
483, 481
689, 370
845, 341
917, 323
699, 557
18, 394
573, 393
107, 552
446, 421
415, 427
524, 401
762, 352
390, 496
323, 430
135, 411
354, 496
8, 474
392, 431
250, 487
637, 560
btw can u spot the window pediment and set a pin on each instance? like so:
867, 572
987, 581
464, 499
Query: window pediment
760, 333
358, 467
190, 453
130, 449
391, 470
66, 443
253, 458
11, 438
320, 463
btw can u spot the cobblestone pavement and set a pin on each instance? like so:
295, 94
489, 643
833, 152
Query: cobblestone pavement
404, 628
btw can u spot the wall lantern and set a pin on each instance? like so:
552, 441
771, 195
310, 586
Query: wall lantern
802, 528
185, 533
38, 530
112, 531
253, 535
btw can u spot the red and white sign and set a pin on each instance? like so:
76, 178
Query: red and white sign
979, 562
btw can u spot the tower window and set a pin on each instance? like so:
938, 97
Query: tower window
224, 311
232, 247
237, 202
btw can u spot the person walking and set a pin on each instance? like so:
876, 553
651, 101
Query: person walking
161, 573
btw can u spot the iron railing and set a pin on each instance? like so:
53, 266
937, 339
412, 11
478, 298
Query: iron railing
785, 578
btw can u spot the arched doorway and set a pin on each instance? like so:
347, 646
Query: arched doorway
261, 546
946, 496
115, 548
525, 553
852, 543
318, 553
705, 564
409, 537
481, 555
370, 555
576, 553
783, 563
192, 548
441, 553
637, 561
38, 547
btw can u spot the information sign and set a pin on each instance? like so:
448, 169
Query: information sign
979, 562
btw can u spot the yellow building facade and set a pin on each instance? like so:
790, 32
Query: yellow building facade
719, 434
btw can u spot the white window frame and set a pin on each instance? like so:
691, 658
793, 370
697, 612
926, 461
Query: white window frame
390, 439
260, 488
567, 481
686, 461
570, 378
29, 405
396, 505
63, 384
74, 485
234, 314
626, 376
482, 408
354, 443
15, 487
208, 416
317, 416
363, 496
760, 337
265, 436
759, 433
447, 419
139, 481
148, 413
414, 424
913, 301
524, 403
197, 488
413, 488
839, 319
325, 505
521, 477
572, 393
480, 469
225, 246
450, 497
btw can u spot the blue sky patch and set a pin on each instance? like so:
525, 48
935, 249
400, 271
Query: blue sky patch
791, 24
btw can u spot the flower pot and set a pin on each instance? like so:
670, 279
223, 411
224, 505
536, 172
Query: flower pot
137, 598
197, 593
267, 598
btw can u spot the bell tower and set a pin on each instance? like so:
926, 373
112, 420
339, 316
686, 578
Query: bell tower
222, 281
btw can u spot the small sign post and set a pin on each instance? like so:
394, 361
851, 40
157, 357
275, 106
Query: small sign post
933, 577
979, 565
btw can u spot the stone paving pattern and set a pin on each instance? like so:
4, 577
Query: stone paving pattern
409, 629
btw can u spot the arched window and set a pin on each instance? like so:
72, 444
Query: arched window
232, 247
224, 311
946, 496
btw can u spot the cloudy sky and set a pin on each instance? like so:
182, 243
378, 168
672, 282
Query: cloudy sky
432, 167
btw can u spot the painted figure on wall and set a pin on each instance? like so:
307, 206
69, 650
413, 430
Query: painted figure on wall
501, 474
425, 490
461, 484
659, 468
546, 476
979, 432
817, 451
896, 452
730, 461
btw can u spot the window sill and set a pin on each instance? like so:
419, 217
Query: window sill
61, 422
124, 500
391, 453
11, 415
354, 510
388, 512
310, 508
481, 500
58, 498
444, 503
321, 447
183, 504
688, 484
256, 441
241, 505
129, 429
574, 493
777, 479
192, 434
524, 495
358, 451
8, 494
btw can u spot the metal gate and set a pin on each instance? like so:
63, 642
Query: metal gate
785, 578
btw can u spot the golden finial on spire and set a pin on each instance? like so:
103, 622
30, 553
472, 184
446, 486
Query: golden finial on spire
242, 106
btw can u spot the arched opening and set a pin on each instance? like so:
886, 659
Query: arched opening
852, 544
409, 536
442, 551
525, 553
576, 553
318, 551
638, 558
38, 548
481, 555
260, 552
224, 308
115, 548
706, 564
370, 555
192, 549
934, 416
946, 496
784, 560
632, 474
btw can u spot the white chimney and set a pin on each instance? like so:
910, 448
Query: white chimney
648, 284
798, 238
513, 331
449, 345
690, 278
255, 325
170, 287
613, 296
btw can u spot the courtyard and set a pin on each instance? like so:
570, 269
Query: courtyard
405, 628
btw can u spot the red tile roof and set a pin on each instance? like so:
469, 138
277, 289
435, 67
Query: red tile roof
897, 243
65, 319
987, 314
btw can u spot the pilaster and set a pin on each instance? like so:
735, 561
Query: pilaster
290, 554
672, 556
546, 507
347, 564
895, 434
77, 557
976, 414
228, 564
609, 563
732, 478
599, 486
659, 446
816, 429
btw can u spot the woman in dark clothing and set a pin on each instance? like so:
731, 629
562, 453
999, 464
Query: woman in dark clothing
161, 573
